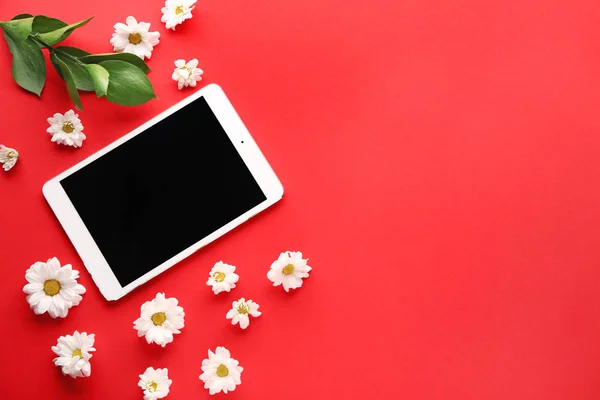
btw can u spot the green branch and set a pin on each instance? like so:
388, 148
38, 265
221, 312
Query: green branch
120, 77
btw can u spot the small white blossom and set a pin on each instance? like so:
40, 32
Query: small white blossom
74, 354
155, 383
289, 270
187, 74
160, 319
66, 129
222, 277
177, 11
52, 288
134, 38
221, 372
8, 157
241, 311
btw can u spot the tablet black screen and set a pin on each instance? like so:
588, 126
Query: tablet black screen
162, 191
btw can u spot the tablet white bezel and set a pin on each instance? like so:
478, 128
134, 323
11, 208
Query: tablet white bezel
85, 245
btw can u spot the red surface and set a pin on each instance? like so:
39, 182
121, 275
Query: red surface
441, 167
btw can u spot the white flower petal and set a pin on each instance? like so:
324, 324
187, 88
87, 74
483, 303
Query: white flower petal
289, 278
170, 316
131, 22
221, 277
119, 42
212, 380
186, 74
65, 290
241, 311
32, 288
8, 157
176, 12
68, 349
244, 321
155, 383
66, 129
152, 38
34, 298
134, 38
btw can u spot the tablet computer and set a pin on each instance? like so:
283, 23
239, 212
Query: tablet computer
158, 194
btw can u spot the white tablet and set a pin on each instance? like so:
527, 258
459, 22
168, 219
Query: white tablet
160, 193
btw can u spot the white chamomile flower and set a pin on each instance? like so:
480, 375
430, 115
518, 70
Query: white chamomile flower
187, 74
222, 277
289, 270
221, 372
155, 383
8, 157
134, 38
241, 311
177, 11
66, 129
74, 354
52, 288
160, 319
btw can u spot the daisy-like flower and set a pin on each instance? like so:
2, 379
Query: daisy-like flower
74, 354
160, 319
241, 311
289, 270
177, 11
221, 372
134, 38
66, 129
8, 157
222, 277
187, 74
155, 383
52, 288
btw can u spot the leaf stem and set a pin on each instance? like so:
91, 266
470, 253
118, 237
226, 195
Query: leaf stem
52, 49
41, 42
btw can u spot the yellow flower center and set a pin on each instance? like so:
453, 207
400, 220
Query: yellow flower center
152, 386
219, 276
242, 309
222, 371
159, 318
12, 155
288, 269
188, 70
68, 127
51, 287
179, 10
77, 353
135, 38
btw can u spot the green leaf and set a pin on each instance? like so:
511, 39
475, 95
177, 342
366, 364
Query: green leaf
127, 57
22, 16
81, 76
43, 24
17, 29
58, 35
71, 86
28, 65
74, 51
127, 86
100, 78
9, 41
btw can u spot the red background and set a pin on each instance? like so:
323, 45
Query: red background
440, 160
